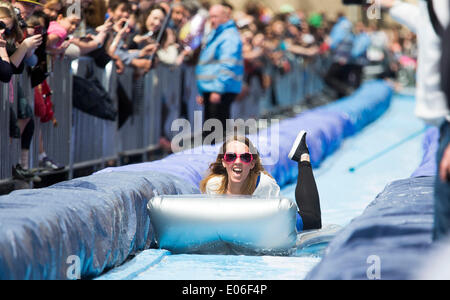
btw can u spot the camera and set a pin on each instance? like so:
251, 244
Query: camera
40, 30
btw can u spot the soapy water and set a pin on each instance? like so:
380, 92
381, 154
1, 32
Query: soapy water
344, 195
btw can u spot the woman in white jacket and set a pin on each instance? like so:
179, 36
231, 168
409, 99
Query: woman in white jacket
238, 171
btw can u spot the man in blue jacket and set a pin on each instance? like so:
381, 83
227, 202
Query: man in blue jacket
220, 69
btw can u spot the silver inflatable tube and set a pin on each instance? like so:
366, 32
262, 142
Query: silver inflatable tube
237, 225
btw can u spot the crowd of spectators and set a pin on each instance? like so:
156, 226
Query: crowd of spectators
36, 33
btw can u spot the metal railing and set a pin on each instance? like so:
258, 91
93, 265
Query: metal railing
82, 140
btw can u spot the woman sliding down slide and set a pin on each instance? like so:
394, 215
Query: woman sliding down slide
238, 171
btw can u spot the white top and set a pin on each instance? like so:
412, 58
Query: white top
431, 104
267, 186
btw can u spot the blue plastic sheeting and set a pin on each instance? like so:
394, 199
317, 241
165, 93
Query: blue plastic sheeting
102, 219
392, 234
428, 167
364, 106
395, 230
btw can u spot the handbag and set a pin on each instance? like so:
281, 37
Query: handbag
90, 97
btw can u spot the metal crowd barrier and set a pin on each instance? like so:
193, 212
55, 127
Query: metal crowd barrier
93, 140
141, 131
9, 148
166, 92
56, 139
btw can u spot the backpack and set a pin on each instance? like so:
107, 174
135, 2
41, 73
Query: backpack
43, 106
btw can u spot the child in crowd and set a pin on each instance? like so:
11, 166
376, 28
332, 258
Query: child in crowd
59, 30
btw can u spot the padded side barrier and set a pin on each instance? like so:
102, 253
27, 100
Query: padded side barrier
96, 222
102, 219
428, 167
366, 105
392, 235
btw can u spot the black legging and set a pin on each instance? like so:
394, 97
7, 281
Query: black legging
27, 135
307, 197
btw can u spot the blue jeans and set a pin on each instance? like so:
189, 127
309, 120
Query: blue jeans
442, 192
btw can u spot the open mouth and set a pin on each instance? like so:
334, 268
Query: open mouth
237, 170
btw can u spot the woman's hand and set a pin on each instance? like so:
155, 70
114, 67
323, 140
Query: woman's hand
106, 27
2, 43
26, 49
32, 43
142, 39
120, 66
59, 52
3, 53
120, 25
149, 50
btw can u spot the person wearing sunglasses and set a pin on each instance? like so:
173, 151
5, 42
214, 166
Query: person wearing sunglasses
238, 170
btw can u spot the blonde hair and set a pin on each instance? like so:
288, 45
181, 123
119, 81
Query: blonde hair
217, 169
7, 11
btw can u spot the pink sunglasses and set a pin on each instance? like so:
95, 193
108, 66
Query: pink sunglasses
231, 157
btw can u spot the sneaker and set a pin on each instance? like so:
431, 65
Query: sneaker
50, 165
20, 173
299, 148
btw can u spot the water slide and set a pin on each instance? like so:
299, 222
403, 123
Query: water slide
358, 144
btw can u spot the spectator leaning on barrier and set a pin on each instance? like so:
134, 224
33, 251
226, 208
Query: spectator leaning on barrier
220, 69
119, 12
21, 53
135, 48
59, 30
